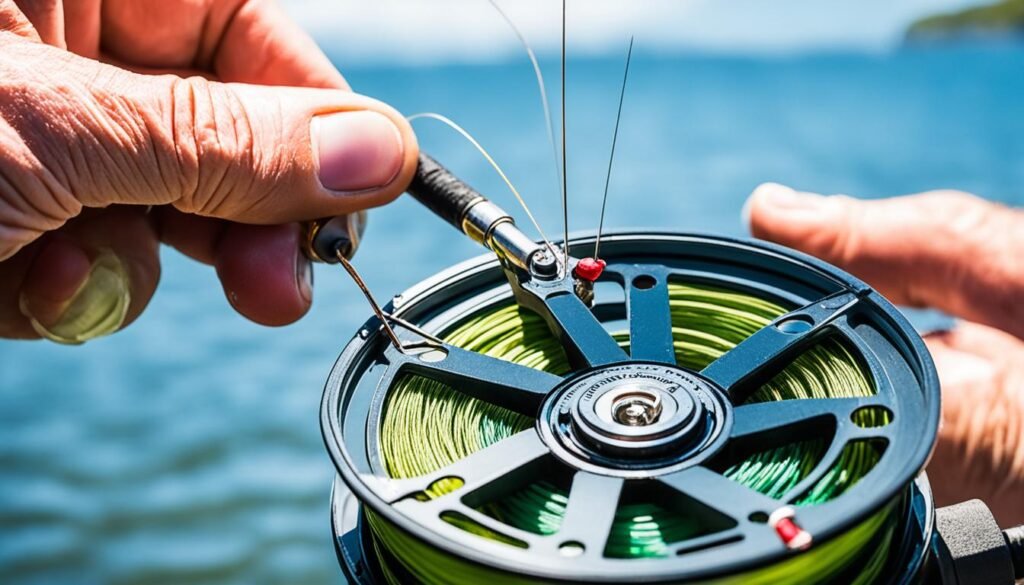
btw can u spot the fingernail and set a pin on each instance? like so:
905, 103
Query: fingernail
97, 309
782, 197
357, 150
304, 277
773, 207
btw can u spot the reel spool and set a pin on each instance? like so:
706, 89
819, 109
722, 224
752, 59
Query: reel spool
727, 411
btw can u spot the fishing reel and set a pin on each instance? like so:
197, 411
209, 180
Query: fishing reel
699, 409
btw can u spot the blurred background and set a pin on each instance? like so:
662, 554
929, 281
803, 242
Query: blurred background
187, 449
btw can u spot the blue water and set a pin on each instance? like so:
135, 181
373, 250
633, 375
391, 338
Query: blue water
187, 449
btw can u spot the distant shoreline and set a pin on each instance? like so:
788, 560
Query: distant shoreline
1001, 22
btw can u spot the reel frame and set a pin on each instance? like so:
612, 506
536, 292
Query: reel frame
828, 301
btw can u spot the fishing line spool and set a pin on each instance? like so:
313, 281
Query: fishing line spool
680, 409
727, 411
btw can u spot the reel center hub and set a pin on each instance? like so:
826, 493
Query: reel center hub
637, 416
637, 408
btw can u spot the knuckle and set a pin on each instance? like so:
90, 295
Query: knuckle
981, 255
214, 136
184, 144
35, 173
88, 133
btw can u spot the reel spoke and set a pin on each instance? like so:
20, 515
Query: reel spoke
766, 348
475, 471
502, 383
720, 493
586, 341
788, 416
593, 501
650, 320
824, 466
846, 434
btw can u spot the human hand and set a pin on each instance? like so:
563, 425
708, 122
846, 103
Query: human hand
107, 108
956, 253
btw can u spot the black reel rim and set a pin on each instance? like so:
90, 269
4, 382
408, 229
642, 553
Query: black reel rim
830, 299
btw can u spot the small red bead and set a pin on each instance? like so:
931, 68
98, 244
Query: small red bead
787, 530
590, 269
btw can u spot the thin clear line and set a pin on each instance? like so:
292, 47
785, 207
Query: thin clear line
565, 176
548, 119
448, 122
615, 140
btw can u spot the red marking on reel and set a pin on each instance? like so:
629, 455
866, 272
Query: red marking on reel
792, 535
590, 269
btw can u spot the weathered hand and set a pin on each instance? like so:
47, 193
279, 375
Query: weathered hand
111, 108
957, 253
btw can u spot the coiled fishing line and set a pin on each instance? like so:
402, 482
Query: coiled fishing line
789, 409
427, 425
760, 418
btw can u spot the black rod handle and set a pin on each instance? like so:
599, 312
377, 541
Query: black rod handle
433, 185
442, 192
451, 199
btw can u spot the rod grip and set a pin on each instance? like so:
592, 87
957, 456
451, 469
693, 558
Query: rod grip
442, 192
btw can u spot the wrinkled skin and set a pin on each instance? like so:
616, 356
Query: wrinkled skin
118, 131
953, 252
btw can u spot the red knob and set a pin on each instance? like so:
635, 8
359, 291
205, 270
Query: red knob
590, 269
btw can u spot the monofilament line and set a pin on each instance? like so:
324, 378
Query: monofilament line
548, 119
565, 154
448, 122
615, 140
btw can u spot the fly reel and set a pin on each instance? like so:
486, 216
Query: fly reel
725, 411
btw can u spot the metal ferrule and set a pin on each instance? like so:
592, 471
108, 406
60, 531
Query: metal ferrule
491, 226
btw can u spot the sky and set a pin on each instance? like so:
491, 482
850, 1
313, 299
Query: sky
438, 31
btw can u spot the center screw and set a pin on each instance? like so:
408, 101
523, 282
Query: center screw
544, 264
638, 409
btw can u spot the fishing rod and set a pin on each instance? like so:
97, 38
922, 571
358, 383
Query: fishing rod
457, 203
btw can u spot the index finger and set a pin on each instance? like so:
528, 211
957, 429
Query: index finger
260, 44
243, 41
946, 250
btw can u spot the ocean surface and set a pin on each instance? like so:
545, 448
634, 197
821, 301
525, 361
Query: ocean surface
187, 449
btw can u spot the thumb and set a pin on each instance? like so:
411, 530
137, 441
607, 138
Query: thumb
942, 249
74, 133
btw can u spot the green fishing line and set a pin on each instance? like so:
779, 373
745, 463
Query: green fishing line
427, 425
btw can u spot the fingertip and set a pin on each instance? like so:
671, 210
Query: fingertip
357, 151
754, 208
93, 278
57, 273
771, 204
264, 274
367, 155
411, 155
805, 221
